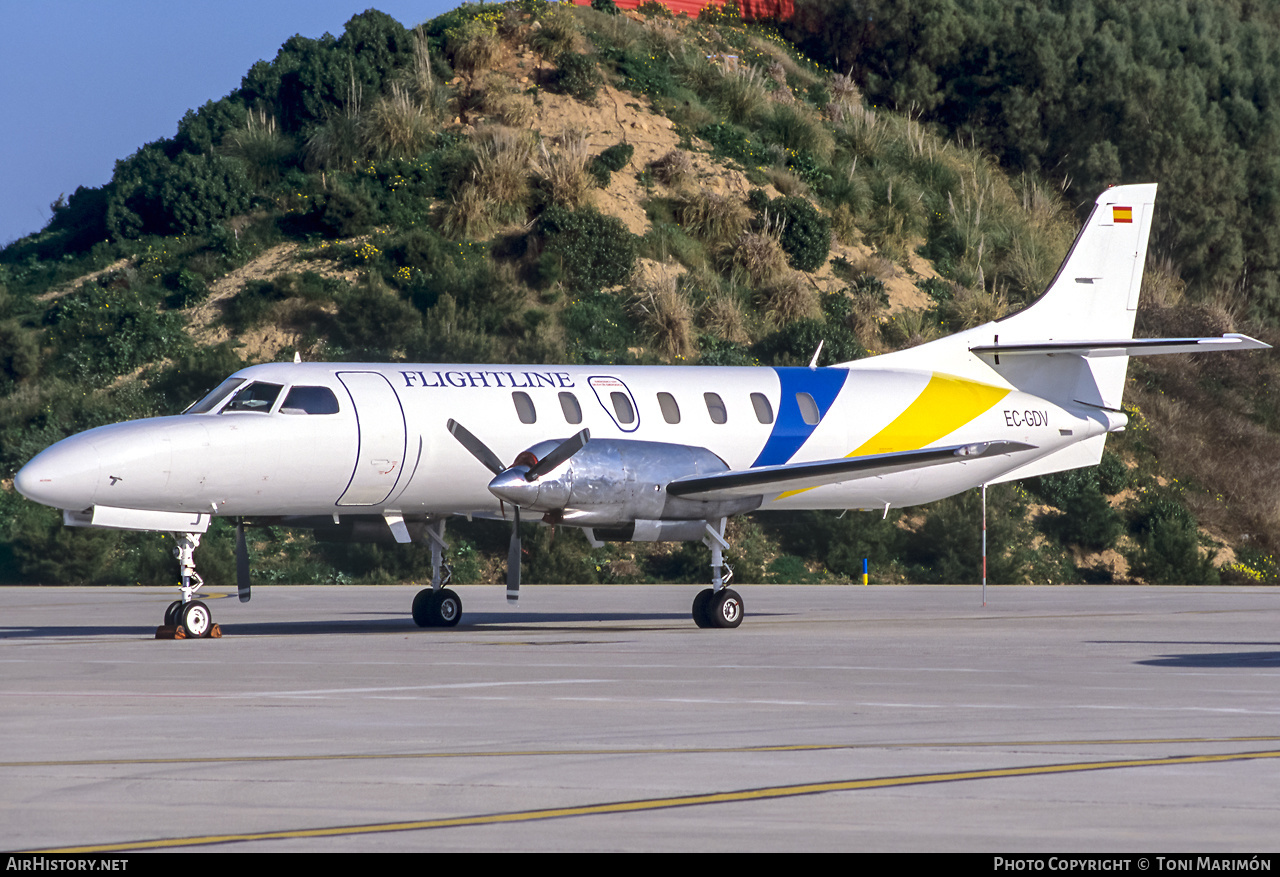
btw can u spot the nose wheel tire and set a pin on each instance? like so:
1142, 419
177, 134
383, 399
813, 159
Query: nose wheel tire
195, 618
171, 613
725, 609
442, 608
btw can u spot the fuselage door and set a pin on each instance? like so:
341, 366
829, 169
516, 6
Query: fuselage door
381, 430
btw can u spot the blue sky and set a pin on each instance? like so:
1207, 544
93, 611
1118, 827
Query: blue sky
85, 82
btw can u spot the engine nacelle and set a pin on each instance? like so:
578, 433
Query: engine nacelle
616, 482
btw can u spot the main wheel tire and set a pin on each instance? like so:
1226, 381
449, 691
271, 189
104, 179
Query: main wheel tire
448, 608
726, 610
171, 613
196, 618
424, 613
701, 617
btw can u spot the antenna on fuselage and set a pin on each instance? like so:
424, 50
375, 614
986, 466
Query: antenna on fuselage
813, 363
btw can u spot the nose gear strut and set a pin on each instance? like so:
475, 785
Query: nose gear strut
187, 617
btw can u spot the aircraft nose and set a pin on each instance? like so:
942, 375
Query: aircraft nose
64, 476
510, 485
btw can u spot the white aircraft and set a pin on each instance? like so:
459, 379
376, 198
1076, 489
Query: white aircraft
381, 452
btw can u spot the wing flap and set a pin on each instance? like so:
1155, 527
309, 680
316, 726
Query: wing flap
1124, 346
799, 476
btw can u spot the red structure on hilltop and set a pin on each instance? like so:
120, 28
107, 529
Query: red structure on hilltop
750, 9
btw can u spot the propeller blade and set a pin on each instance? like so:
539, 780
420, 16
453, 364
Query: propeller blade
562, 452
513, 561
477, 448
242, 564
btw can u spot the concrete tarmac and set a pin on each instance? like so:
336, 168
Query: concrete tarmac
1089, 719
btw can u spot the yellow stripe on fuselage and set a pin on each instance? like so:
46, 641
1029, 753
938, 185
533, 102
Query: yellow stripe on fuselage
943, 406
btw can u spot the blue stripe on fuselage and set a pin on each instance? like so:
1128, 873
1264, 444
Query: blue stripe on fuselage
789, 429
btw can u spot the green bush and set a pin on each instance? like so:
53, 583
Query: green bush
609, 162
1085, 519
101, 333
599, 328
578, 76
595, 250
795, 344
806, 233
1168, 542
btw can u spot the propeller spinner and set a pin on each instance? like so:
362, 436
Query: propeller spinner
516, 484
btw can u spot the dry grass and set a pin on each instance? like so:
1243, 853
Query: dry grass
878, 267
557, 33
475, 48
742, 93
758, 256
908, 329
501, 169
429, 94
504, 106
260, 145
335, 144
722, 316
790, 298
564, 172
665, 313
714, 218
975, 307
673, 169
787, 183
396, 126
468, 215
844, 90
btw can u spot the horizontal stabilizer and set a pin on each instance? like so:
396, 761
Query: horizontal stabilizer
800, 476
1124, 346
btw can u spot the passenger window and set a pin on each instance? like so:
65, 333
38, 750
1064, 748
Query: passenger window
310, 400
715, 407
524, 407
808, 409
572, 410
622, 407
257, 396
764, 411
670, 410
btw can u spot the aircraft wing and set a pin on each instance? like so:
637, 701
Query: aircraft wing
799, 476
1124, 346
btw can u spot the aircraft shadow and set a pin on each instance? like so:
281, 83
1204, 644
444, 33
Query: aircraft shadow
1219, 659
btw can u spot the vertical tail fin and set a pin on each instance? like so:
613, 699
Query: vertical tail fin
1094, 296
1095, 292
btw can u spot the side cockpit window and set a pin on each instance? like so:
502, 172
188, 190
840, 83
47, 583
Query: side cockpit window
310, 400
258, 396
214, 399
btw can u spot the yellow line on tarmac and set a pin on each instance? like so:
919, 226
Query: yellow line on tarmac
699, 750
768, 793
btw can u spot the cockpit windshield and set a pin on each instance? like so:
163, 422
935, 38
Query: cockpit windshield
258, 396
211, 401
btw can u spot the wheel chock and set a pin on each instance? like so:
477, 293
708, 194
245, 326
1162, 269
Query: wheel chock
177, 631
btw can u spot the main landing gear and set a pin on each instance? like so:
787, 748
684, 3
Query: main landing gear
188, 617
718, 606
437, 606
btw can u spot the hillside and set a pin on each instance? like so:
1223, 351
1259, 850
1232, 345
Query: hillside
533, 183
